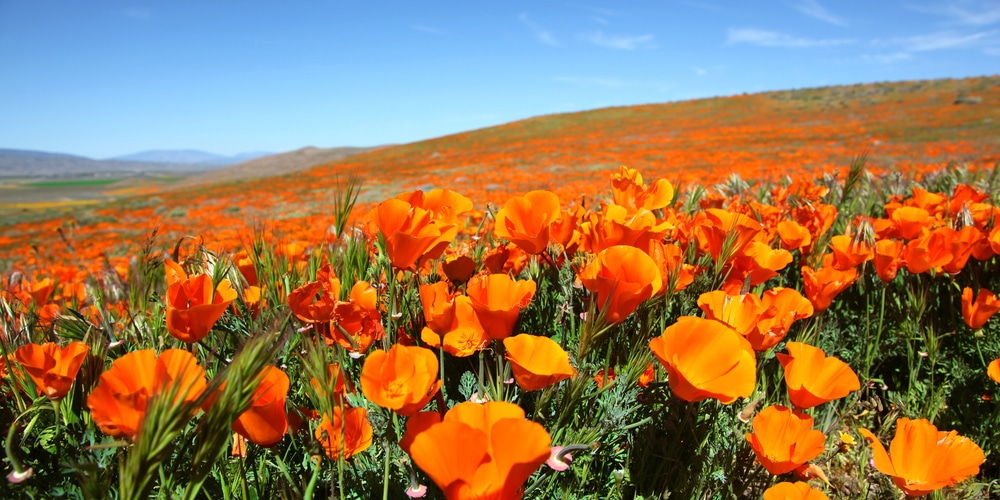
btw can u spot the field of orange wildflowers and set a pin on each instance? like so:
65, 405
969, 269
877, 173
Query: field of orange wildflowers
511, 313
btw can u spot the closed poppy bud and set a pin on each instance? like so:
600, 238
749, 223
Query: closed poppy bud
537, 361
345, 434
924, 459
52, 368
621, 278
783, 439
813, 378
266, 421
524, 220
498, 300
118, 401
977, 312
402, 379
793, 491
706, 359
193, 306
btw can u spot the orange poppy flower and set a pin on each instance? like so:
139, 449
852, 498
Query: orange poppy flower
993, 371
498, 300
813, 378
357, 321
648, 376
823, 285
346, 434
537, 361
525, 220
459, 268
266, 421
621, 278
977, 312
848, 252
669, 259
793, 235
615, 225
402, 379
52, 368
481, 451
793, 491
785, 306
706, 359
911, 222
438, 305
118, 401
888, 257
601, 378
444, 205
783, 439
193, 306
631, 192
741, 312
760, 262
930, 251
924, 459
464, 336
314, 301
411, 234
722, 229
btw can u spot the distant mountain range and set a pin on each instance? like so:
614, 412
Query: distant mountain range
21, 163
189, 156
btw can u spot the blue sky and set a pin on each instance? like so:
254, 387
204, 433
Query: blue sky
109, 78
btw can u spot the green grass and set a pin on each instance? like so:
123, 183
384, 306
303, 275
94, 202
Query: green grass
72, 183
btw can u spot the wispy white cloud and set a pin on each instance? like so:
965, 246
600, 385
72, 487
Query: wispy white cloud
886, 58
813, 9
766, 38
429, 30
543, 35
700, 71
621, 42
944, 40
593, 81
965, 12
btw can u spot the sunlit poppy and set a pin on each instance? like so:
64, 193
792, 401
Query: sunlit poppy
813, 378
266, 421
481, 451
783, 439
621, 278
793, 235
444, 205
911, 222
118, 401
525, 220
357, 323
976, 312
793, 491
498, 300
336, 385
463, 337
614, 225
411, 234
345, 434
52, 368
930, 251
824, 284
537, 362
741, 312
706, 359
314, 301
784, 306
194, 305
849, 252
631, 192
402, 379
922, 459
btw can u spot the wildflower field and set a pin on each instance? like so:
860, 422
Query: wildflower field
783, 295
